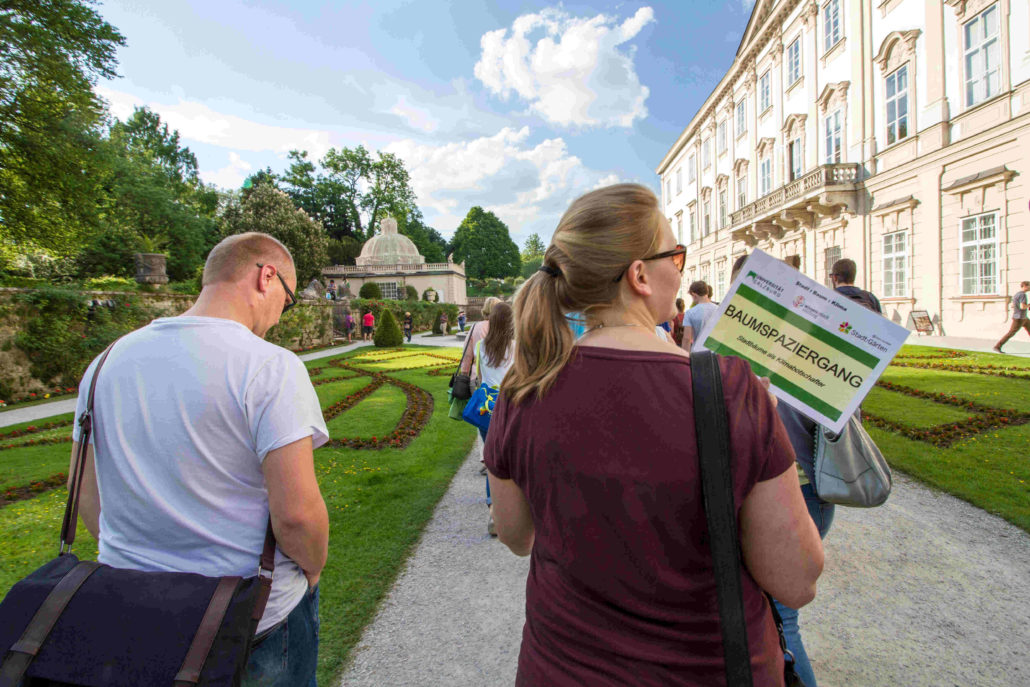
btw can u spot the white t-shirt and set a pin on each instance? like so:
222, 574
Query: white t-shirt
186, 409
493, 375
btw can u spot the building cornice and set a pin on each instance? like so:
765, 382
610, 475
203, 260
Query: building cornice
754, 41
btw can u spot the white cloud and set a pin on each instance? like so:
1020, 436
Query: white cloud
572, 71
523, 183
230, 176
198, 122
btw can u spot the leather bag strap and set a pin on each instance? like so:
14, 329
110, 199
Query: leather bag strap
22, 652
71, 508
204, 639
713, 447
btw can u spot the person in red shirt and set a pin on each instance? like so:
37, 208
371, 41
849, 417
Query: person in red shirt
594, 473
368, 325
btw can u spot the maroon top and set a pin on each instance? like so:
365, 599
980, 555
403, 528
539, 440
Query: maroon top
621, 588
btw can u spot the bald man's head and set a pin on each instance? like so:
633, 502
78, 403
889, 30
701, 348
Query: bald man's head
234, 255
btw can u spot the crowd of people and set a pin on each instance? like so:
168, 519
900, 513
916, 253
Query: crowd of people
590, 458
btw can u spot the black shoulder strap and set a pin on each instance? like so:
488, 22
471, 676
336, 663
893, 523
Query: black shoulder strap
71, 508
713, 447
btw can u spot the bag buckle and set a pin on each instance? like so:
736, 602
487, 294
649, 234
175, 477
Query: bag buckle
262, 572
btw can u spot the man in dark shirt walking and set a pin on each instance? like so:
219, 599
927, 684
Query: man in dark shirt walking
1019, 316
843, 277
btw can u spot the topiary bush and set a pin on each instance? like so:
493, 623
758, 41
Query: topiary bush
370, 290
411, 293
388, 334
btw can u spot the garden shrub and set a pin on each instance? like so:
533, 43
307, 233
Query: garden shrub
370, 290
411, 293
108, 282
388, 333
423, 314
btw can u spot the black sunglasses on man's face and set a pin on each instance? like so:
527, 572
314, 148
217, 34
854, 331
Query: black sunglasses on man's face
293, 299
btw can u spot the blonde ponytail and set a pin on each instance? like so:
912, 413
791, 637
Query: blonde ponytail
597, 238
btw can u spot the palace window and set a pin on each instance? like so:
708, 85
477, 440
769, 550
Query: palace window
765, 176
668, 191
679, 181
722, 137
895, 264
741, 191
724, 210
832, 32
720, 279
742, 117
389, 290
706, 216
833, 137
795, 161
980, 254
897, 105
830, 256
693, 224
679, 227
982, 56
794, 61
706, 154
691, 168
764, 92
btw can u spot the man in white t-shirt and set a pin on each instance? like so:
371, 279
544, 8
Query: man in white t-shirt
694, 319
203, 430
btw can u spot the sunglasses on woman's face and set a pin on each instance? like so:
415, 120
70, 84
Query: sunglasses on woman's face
678, 255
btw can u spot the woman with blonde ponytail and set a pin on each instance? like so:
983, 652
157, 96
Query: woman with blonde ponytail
593, 469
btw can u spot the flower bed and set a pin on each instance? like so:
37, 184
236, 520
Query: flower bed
985, 418
32, 489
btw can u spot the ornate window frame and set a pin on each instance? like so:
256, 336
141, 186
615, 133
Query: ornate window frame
794, 129
966, 11
833, 98
898, 50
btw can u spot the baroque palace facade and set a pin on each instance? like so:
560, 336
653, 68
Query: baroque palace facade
892, 132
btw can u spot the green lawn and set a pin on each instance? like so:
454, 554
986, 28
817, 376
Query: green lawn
379, 501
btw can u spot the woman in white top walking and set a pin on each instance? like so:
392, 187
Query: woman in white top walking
493, 357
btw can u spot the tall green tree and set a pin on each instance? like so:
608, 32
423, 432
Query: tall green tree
269, 210
483, 243
51, 55
350, 190
154, 192
534, 248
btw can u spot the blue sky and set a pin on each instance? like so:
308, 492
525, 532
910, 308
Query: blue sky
517, 107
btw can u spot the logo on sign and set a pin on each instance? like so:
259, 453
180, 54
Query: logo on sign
799, 301
845, 328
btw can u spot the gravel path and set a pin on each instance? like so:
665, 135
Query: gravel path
924, 591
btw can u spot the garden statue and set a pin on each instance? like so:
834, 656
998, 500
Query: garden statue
313, 291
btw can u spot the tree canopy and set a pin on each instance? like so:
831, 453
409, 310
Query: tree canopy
483, 243
350, 189
534, 248
271, 211
51, 55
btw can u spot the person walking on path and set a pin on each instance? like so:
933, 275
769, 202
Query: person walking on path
694, 318
600, 485
368, 325
677, 322
843, 277
493, 356
408, 324
477, 334
1019, 316
461, 320
349, 325
206, 431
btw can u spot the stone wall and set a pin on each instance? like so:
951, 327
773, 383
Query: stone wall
306, 326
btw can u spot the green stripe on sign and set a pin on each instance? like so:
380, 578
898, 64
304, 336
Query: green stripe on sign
763, 371
845, 347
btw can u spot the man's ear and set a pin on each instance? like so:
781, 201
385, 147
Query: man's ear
264, 279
